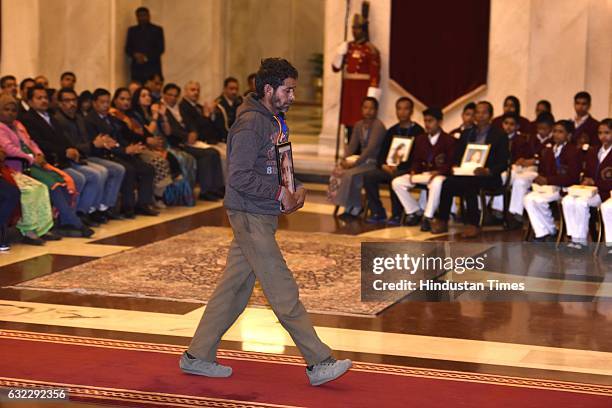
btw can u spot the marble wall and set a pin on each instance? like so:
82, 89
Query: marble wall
294, 30
205, 40
538, 49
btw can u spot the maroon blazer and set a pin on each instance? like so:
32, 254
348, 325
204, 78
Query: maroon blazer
438, 157
568, 171
601, 173
524, 124
588, 127
520, 147
536, 146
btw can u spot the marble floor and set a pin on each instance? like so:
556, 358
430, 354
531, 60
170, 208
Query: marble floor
551, 338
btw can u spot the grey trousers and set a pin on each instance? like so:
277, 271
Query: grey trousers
254, 254
349, 193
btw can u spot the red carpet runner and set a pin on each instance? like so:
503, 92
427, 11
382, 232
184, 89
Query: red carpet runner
143, 374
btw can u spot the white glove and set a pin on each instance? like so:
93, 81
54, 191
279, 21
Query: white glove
374, 92
342, 48
340, 53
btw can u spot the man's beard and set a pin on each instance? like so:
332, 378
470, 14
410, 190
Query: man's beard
278, 105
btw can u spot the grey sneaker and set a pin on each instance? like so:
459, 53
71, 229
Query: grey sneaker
205, 368
327, 371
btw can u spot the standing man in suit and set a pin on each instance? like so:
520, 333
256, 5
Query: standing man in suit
488, 176
145, 45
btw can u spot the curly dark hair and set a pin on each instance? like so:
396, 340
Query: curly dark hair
273, 71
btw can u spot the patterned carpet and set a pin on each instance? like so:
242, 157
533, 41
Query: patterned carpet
186, 267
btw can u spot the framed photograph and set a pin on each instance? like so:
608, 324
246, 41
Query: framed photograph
475, 155
399, 150
284, 161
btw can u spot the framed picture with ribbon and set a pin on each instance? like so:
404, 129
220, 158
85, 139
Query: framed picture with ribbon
284, 161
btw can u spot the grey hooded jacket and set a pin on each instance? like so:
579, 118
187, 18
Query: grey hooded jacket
252, 177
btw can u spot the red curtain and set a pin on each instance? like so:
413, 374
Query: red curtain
439, 49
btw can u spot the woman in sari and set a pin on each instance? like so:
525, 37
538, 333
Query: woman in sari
347, 178
9, 203
21, 149
154, 122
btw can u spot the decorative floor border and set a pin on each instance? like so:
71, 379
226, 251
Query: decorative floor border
89, 393
449, 375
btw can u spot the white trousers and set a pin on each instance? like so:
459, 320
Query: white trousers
576, 211
540, 215
402, 185
520, 183
606, 214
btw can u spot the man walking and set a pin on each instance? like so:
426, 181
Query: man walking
254, 199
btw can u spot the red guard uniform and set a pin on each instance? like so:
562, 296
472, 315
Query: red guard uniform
361, 70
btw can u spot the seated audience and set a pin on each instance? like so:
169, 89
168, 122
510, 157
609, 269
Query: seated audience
113, 140
368, 136
210, 173
35, 215
151, 139
152, 122
559, 167
42, 80
16, 142
251, 84
488, 177
8, 85
109, 173
226, 106
152, 117
24, 86
384, 172
133, 86
155, 84
61, 153
431, 163
542, 106
198, 117
598, 173
84, 103
520, 148
512, 105
584, 123
68, 80
9, 203
467, 120
525, 167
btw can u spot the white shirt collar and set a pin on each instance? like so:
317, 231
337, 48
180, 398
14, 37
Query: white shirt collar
603, 153
557, 149
579, 121
433, 139
542, 139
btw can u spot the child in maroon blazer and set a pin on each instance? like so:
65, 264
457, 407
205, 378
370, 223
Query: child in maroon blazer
559, 166
520, 148
584, 122
525, 158
598, 172
432, 159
